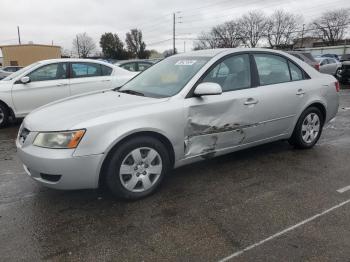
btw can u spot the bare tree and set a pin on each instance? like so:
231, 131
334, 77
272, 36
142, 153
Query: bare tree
331, 26
83, 45
281, 28
226, 35
253, 27
136, 45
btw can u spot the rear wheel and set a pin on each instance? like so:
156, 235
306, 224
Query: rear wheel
4, 116
137, 167
308, 128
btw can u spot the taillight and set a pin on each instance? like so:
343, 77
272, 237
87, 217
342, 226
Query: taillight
317, 67
337, 86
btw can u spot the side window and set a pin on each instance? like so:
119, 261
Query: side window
85, 70
330, 61
143, 66
129, 66
231, 74
295, 72
324, 62
106, 70
49, 72
272, 69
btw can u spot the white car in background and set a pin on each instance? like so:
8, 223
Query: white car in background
46, 81
328, 65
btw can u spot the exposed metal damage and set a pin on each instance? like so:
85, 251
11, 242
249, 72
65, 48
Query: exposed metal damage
206, 134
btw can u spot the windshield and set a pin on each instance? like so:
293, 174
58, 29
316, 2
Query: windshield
19, 72
165, 78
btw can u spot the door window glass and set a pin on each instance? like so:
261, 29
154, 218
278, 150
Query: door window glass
106, 70
49, 72
231, 74
143, 66
295, 72
129, 66
272, 69
85, 70
324, 62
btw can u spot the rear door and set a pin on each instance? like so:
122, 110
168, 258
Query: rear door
48, 83
87, 77
281, 93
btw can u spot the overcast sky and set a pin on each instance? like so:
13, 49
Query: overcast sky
44, 21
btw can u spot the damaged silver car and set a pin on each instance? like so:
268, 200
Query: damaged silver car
186, 108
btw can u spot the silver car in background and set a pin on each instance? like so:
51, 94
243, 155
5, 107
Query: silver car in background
186, 108
328, 65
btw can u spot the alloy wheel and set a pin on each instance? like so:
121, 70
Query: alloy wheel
2, 116
310, 128
140, 169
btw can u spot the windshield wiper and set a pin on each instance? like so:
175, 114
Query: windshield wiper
132, 92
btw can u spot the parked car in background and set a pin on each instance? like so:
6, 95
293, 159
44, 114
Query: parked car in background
306, 57
345, 57
50, 80
134, 65
328, 65
335, 56
8, 70
186, 108
343, 74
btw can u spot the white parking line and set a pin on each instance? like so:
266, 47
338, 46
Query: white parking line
238, 253
343, 190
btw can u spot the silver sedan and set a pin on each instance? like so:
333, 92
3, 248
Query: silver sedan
186, 108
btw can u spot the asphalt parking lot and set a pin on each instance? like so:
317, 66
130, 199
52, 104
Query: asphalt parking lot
270, 203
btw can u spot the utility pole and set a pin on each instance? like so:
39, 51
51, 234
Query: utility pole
174, 22
78, 47
302, 37
19, 35
174, 30
184, 46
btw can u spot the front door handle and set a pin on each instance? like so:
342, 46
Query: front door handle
250, 101
300, 92
61, 84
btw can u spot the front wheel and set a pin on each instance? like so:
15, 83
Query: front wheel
137, 167
308, 128
4, 116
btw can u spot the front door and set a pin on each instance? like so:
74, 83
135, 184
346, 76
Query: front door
47, 84
218, 122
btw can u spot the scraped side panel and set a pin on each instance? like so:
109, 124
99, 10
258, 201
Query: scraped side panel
214, 126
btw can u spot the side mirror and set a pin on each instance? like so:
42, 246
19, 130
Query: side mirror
25, 80
207, 89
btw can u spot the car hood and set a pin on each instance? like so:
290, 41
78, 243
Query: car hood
66, 114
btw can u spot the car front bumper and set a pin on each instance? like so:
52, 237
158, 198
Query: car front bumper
59, 168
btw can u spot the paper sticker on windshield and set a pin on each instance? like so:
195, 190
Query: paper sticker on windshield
186, 62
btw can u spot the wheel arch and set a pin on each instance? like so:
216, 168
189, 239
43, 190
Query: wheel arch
12, 114
162, 138
321, 107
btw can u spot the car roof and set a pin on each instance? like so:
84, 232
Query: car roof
81, 60
217, 51
121, 62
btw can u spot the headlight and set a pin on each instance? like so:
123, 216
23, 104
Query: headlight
60, 140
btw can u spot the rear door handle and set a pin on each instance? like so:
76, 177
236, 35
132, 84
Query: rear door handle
106, 80
300, 92
250, 101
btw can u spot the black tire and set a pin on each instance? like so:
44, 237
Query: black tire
4, 115
297, 137
112, 176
